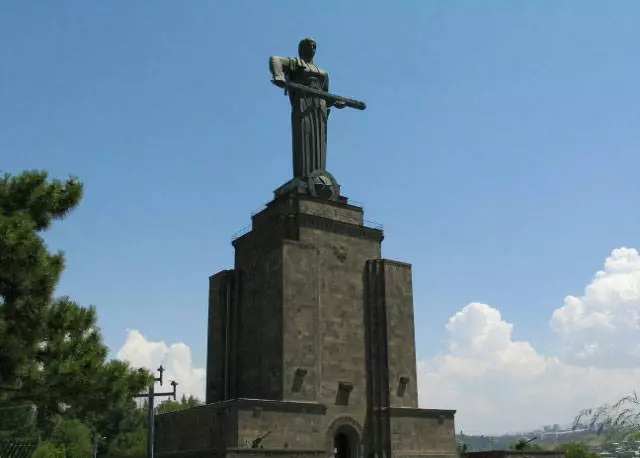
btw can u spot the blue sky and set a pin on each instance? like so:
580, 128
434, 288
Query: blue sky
499, 147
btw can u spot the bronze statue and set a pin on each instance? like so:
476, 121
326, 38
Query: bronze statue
308, 89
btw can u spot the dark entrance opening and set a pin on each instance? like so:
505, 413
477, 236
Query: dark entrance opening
342, 446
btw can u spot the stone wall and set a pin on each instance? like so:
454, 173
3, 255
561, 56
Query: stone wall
321, 326
302, 308
228, 427
221, 344
338, 212
420, 432
398, 291
323, 304
259, 342
281, 453
208, 427
293, 425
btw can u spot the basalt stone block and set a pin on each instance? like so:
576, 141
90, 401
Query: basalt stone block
311, 347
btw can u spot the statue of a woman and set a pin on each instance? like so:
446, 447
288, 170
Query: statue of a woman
309, 113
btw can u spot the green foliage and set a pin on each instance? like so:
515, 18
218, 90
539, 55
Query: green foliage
17, 420
125, 430
173, 406
49, 450
129, 443
74, 436
576, 450
620, 420
70, 374
130, 438
525, 445
28, 272
52, 355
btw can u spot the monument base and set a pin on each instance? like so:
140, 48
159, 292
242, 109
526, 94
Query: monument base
311, 349
320, 184
279, 429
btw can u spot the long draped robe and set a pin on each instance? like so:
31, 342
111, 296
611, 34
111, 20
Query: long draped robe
309, 113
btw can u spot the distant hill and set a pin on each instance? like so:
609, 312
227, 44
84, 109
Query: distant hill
546, 439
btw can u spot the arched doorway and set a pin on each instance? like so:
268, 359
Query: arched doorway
346, 442
341, 446
344, 438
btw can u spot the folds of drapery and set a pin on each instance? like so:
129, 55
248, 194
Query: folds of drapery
309, 135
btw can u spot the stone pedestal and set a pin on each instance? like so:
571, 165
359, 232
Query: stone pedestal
311, 341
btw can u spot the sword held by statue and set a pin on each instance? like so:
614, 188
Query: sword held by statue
351, 103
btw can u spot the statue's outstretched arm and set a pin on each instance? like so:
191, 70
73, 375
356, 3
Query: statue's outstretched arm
279, 67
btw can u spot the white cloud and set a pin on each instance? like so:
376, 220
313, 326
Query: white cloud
602, 327
499, 384
175, 358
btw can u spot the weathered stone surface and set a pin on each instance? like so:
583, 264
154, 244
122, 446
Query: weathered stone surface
276, 453
311, 336
297, 429
223, 298
197, 429
323, 332
420, 432
344, 213
403, 387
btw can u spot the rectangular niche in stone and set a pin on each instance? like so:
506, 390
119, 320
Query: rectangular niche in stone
344, 390
402, 386
298, 380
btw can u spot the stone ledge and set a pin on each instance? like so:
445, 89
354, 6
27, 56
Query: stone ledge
282, 218
337, 227
263, 404
243, 451
401, 454
422, 413
286, 226
280, 406
391, 262
274, 451
208, 452
213, 405
333, 203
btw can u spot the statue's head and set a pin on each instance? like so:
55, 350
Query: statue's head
307, 49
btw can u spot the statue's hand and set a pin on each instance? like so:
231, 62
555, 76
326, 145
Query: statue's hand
278, 82
339, 104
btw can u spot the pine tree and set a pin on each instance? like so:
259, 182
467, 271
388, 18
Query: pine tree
28, 272
52, 355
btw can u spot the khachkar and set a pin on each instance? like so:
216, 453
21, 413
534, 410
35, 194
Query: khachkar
311, 347
308, 88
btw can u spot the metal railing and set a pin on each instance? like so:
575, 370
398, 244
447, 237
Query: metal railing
373, 224
16, 448
255, 212
241, 232
367, 223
